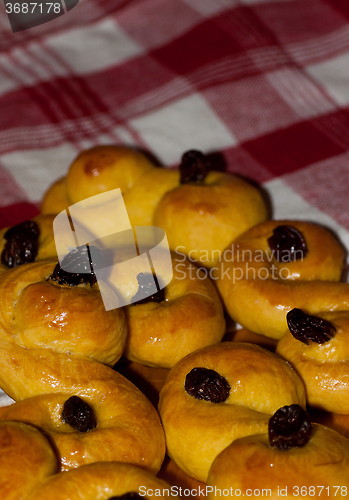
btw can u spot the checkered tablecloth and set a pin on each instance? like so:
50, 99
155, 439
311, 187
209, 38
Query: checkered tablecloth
266, 83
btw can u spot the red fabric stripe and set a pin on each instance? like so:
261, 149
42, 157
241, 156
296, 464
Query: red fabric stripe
293, 148
16, 213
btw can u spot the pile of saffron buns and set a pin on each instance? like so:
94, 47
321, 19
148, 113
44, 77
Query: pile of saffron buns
235, 373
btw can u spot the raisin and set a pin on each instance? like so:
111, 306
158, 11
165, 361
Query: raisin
79, 414
288, 244
202, 383
289, 427
22, 244
307, 328
194, 167
146, 286
132, 495
79, 262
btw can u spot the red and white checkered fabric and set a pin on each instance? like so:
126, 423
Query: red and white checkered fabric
264, 82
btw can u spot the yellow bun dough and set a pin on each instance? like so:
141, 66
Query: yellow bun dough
39, 312
317, 467
103, 481
240, 384
29, 471
277, 266
55, 198
319, 351
26, 460
111, 420
186, 316
202, 218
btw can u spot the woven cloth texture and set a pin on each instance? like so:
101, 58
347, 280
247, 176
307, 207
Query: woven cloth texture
265, 83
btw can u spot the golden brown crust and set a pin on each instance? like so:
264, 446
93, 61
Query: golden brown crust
101, 481
142, 199
191, 317
40, 313
128, 427
196, 430
258, 290
202, 219
26, 459
251, 464
29, 466
324, 368
102, 168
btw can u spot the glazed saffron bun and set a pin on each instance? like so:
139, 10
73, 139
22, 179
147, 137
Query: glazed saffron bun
316, 467
26, 460
103, 481
29, 471
91, 412
27, 242
103, 168
277, 266
186, 315
95, 171
39, 311
239, 385
318, 348
208, 210
144, 196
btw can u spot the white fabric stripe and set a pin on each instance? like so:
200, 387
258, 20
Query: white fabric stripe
299, 92
208, 8
26, 138
5, 400
54, 64
67, 97
219, 71
187, 123
38, 168
154, 98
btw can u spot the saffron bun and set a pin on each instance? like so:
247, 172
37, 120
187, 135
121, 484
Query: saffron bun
26, 460
240, 386
91, 412
95, 171
188, 315
101, 481
28, 241
250, 465
30, 470
55, 198
36, 311
146, 193
201, 219
258, 289
102, 168
319, 350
